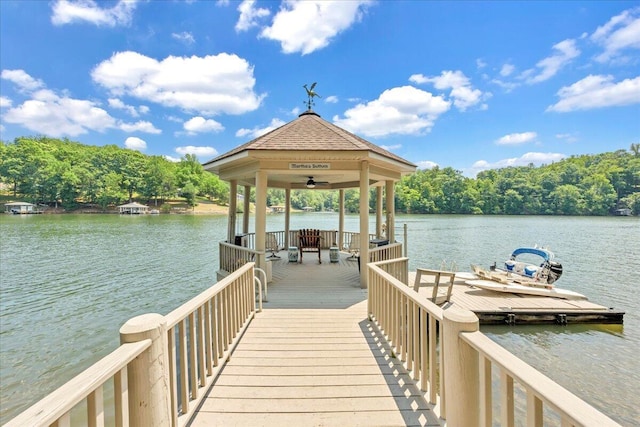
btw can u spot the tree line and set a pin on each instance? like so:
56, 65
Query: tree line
54, 171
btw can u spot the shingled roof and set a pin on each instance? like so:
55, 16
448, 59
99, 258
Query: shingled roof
309, 132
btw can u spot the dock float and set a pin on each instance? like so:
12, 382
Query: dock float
499, 308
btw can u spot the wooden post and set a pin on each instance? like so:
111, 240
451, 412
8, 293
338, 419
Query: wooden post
246, 208
147, 374
391, 226
364, 223
341, 219
461, 370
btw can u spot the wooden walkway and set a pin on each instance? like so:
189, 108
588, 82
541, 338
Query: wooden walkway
312, 358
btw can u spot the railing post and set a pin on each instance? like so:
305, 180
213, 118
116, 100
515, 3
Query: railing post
148, 375
461, 371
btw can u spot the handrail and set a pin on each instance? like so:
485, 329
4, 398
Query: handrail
415, 327
56, 406
411, 324
539, 388
210, 325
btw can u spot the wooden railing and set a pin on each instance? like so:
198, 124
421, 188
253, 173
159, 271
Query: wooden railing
385, 252
232, 257
164, 365
411, 325
200, 335
87, 388
452, 361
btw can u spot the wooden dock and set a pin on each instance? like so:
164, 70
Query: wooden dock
312, 358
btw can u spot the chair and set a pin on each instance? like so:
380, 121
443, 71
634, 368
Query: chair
309, 241
271, 244
437, 297
354, 246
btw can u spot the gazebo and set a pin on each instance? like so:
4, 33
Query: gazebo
311, 153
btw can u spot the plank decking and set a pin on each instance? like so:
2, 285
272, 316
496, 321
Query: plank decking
312, 358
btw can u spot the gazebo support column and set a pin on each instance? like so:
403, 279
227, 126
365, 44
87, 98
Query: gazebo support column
378, 212
287, 216
233, 201
340, 219
247, 209
391, 208
364, 223
261, 217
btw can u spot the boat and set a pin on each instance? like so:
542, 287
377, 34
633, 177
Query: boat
529, 270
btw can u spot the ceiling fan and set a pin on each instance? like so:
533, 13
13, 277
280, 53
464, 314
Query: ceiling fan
312, 184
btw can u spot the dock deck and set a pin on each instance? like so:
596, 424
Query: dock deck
313, 358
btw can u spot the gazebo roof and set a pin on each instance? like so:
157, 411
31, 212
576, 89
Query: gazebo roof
133, 205
326, 150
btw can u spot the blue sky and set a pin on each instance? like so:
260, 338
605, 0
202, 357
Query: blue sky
473, 85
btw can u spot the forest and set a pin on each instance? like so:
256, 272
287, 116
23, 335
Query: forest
71, 174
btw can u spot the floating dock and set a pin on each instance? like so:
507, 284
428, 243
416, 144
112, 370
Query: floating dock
500, 308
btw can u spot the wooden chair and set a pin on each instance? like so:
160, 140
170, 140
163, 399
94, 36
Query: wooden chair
309, 241
354, 246
436, 296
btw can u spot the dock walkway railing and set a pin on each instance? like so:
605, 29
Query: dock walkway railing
454, 363
162, 368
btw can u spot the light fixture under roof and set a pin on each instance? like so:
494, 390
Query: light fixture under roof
311, 183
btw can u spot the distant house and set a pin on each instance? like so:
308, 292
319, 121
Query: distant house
308, 209
277, 209
133, 209
20, 208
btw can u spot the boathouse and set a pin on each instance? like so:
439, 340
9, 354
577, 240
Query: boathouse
20, 208
133, 208
309, 153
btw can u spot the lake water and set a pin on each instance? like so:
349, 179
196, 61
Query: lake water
68, 282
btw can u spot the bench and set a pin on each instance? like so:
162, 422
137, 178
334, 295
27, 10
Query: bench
309, 241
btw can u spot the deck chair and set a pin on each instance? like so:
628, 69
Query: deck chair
309, 241
271, 244
440, 279
354, 246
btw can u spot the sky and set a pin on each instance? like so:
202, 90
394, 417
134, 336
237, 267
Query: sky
472, 85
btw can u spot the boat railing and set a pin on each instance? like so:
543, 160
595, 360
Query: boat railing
455, 364
163, 367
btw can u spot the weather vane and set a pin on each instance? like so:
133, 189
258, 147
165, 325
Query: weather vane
311, 94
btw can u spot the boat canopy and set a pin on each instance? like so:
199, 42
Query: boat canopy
547, 255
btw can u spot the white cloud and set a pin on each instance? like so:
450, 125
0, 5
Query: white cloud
507, 70
401, 110
548, 67
201, 152
620, 33
210, 85
55, 116
306, 26
131, 110
462, 93
426, 164
140, 126
199, 124
185, 37
23, 80
517, 138
332, 99
480, 63
249, 15
568, 137
69, 11
597, 92
391, 147
5, 102
256, 132
135, 143
534, 158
